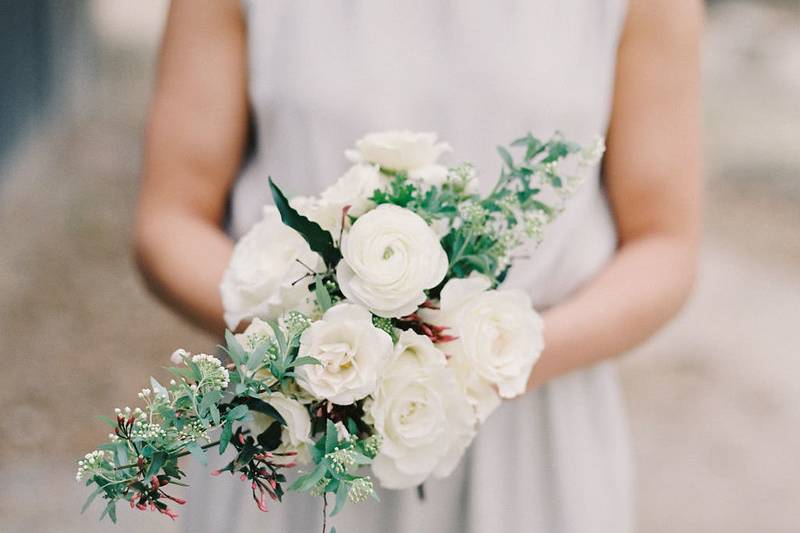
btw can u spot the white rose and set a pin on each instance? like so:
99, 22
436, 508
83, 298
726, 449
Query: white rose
389, 257
422, 414
296, 434
263, 273
352, 353
416, 153
498, 337
352, 191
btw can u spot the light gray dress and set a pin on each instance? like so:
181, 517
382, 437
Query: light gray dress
480, 73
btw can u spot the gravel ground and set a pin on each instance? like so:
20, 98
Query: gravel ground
714, 399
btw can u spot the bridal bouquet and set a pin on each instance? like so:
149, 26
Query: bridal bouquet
376, 335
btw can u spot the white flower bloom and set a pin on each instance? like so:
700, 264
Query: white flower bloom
351, 191
328, 215
389, 257
422, 415
296, 434
178, 355
416, 153
593, 153
352, 353
261, 279
498, 338
355, 188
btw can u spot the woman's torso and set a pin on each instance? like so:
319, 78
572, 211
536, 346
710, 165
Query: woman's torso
322, 74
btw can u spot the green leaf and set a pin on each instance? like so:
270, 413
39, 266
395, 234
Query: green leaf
156, 462
507, 159
158, 388
280, 338
121, 452
184, 373
307, 481
225, 436
306, 360
341, 497
197, 452
360, 458
331, 436
237, 413
197, 375
234, 349
91, 498
323, 298
108, 421
112, 510
214, 411
210, 398
257, 356
317, 238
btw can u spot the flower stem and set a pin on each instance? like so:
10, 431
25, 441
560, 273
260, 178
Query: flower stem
183, 453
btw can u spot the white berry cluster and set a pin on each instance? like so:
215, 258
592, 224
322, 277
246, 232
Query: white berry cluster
360, 490
214, 376
90, 463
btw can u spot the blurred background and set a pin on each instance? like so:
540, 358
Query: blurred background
714, 399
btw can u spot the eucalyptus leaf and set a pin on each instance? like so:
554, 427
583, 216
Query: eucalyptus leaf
234, 349
158, 388
307, 481
323, 298
341, 497
306, 360
506, 156
197, 452
156, 462
331, 436
91, 498
237, 413
225, 436
257, 356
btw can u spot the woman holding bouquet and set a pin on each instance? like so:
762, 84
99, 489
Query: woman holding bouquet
252, 88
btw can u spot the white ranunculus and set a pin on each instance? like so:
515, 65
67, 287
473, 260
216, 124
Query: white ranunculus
352, 191
498, 337
354, 188
422, 414
296, 434
263, 273
324, 213
416, 153
389, 257
352, 353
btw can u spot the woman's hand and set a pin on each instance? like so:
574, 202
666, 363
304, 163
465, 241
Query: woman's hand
195, 140
653, 170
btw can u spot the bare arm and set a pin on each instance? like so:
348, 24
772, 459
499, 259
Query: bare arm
653, 168
195, 139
